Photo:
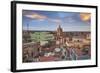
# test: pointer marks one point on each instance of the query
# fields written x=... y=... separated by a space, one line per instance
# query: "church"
x=60 y=37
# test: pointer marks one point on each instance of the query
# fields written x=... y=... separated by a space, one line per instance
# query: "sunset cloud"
x=40 y=17
x=36 y=16
x=85 y=16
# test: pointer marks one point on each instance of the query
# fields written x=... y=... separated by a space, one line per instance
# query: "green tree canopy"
x=41 y=36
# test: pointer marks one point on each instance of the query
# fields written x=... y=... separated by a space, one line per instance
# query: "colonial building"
x=60 y=36
x=26 y=36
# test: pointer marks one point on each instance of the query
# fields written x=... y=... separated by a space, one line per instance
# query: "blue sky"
x=50 y=20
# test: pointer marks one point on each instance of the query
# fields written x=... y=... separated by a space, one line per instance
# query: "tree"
x=41 y=36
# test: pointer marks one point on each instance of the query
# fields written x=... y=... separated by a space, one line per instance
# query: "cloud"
x=85 y=16
x=54 y=20
x=34 y=15
x=40 y=17
x=70 y=20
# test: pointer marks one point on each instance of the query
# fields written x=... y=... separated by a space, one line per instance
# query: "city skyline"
x=50 y=20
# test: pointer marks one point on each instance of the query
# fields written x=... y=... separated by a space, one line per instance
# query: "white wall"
x=5 y=37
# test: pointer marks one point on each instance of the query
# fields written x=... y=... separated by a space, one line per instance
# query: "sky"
x=50 y=20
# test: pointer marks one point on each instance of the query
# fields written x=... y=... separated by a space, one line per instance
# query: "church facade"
x=60 y=37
